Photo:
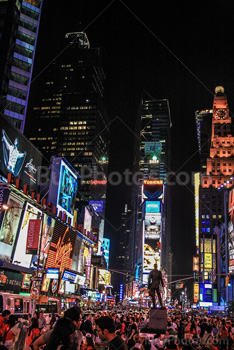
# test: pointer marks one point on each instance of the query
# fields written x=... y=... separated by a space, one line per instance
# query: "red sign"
x=98 y=182
x=153 y=182
x=34 y=228
x=61 y=247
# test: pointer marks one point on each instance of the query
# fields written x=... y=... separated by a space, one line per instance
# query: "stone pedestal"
x=158 y=319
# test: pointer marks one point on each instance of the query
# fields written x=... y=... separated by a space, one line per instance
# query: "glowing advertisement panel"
x=152 y=207
x=67 y=189
x=61 y=247
x=46 y=237
x=20 y=251
x=104 y=277
x=63 y=186
x=231 y=231
x=9 y=227
x=18 y=155
x=153 y=189
x=152 y=244
x=97 y=206
x=87 y=220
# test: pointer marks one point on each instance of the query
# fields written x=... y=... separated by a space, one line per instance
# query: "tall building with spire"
x=219 y=169
x=68 y=116
x=19 y=24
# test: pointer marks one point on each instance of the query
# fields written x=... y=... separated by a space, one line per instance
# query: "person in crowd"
x=8 y=335
x=41 y=321
x=20 y=332
x=33 y=332
x=52 y=320
x=223 y=336
x=62 y=336
x=207 y=339
x=74 y=314
x=132 y=331
x=36 y=315
x=230 y=336
x=88 y=343
x=3 y=319
x=105 y=328
x=88 y=326
x=171 y=343
x=118 y=325
x=157 y=342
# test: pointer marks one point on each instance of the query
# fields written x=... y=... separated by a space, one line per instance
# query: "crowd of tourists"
x=114 y=330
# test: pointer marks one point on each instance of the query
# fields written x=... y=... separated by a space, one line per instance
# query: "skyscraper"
x=149 y=222
x=219 y=170
x=69 y=119
x=19 y=24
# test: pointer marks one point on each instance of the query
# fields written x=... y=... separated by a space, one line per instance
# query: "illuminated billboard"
x=153 y=147
x=231 y=231
x=63 y=186
x=18 y=156
x=61 y=247
x=46 y=237
x=196 y=292
x=153 y=226
x=10 y=224
x=153 y=189
x=20 y=257
x=104 y=277
x=87 y=220
x=152 y=207
x=97 y=206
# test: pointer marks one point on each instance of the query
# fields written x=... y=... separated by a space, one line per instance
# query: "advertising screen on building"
x=87 y=220
x=10 y=224
x=97 y=206
x=153 y=147
x=152 y=207
x=231 y=231
x=46 y=237
x=153 y=189
x=20 y=256
x=18 y=156
x=153 y=226
x=61 y=247
x=45 y=284
x=104 y=277
x=63 y=186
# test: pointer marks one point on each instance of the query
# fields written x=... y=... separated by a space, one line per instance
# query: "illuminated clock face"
x=221 y=113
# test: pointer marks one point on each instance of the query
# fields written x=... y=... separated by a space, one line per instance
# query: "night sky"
x=175 y=50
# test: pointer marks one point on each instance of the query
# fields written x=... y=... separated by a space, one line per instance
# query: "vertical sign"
x=34 y=228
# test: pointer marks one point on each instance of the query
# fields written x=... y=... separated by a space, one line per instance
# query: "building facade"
x=69 y=120
x=19 y=24
x=209 y=201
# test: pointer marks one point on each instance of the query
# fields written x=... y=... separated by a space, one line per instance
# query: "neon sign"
x=98 y=182
x=153 y=182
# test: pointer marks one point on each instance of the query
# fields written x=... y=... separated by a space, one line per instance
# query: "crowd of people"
x=114 y=330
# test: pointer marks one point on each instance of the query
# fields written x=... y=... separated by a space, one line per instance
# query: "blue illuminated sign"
x=121 y=292
x=152 y=207
x=52 y=273
x=69 y=276
x=97 y=206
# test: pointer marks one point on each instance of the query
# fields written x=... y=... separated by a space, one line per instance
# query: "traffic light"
x=227 y=281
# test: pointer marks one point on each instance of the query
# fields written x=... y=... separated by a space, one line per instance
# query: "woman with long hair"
x=8 y=335
x=33 y=332
x=62 y=335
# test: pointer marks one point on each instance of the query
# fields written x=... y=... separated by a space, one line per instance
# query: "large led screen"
x=18 y=156
x=67 y=189
x=46 y=237
x=20 y=257
x=63 y=186
x=87 y=220
x=9 y=227
x=61 y=247
x=231 y=231
x=153 y=226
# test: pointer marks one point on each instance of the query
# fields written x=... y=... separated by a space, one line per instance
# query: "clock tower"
x=219 y=170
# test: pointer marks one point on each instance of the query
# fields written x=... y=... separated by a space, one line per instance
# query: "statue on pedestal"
x=154 y=282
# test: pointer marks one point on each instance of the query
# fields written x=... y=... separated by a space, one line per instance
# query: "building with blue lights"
x=19 y=24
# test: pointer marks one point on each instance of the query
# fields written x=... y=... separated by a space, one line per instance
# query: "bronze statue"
x=154 y=281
